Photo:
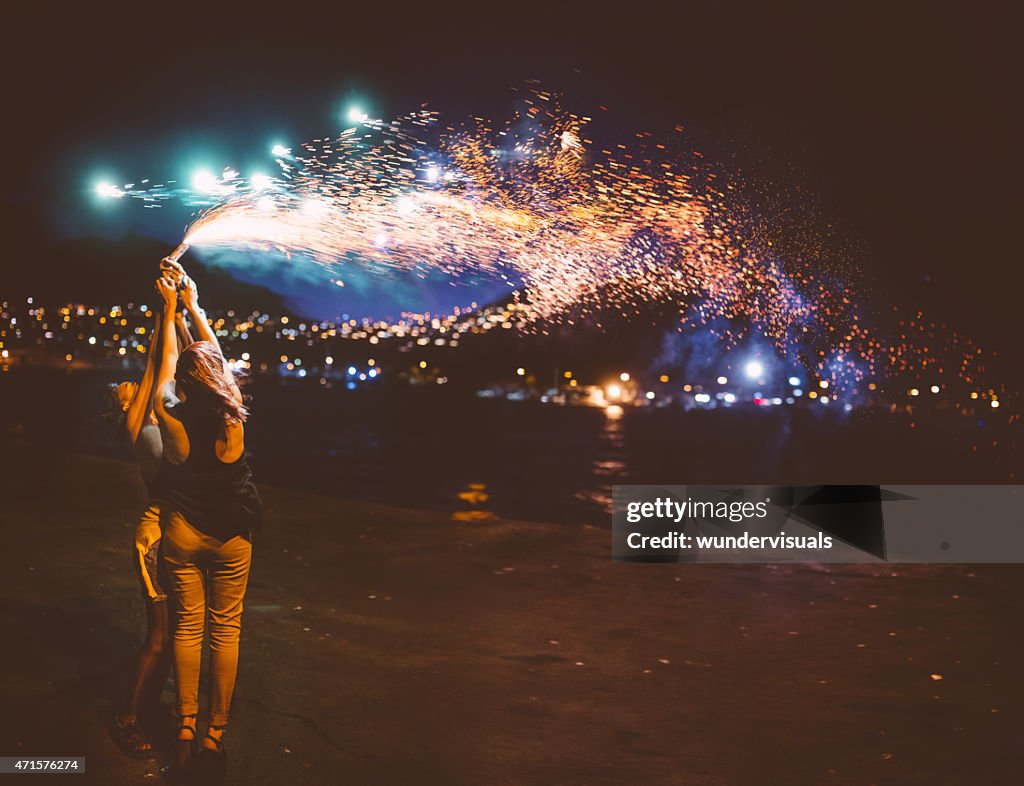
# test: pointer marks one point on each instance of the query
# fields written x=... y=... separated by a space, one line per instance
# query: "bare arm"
x=184 y=336
x=190 y=298
x=141 y=406
x=172 y=270
x=176 y=445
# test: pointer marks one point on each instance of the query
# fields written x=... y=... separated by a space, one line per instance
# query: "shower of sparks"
x=580 y=231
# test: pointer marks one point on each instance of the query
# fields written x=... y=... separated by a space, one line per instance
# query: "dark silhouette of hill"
x=100 y=271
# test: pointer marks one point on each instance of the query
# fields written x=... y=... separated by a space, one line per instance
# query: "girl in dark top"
x=214 y=508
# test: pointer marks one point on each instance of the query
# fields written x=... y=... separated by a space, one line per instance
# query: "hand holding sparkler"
x=173 y=269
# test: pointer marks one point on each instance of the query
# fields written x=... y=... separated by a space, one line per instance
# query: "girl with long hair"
x=214 y=509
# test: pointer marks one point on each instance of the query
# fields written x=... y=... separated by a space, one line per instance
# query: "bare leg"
x=149 y=672
x=151 y=661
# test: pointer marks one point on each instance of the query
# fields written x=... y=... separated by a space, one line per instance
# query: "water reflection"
x=474 y=495
x=608 y=466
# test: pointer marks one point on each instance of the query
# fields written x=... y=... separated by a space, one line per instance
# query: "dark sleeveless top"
x=218 y=499
x=160 y=486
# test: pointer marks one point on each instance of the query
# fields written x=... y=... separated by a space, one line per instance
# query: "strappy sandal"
x=131 y=740
x=181 y=767
x=218 y=742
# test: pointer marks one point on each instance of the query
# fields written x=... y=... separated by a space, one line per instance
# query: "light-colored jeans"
x=148 y=560
x=206 y=573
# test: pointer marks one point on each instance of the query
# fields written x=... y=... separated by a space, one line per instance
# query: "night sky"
x=901 y=123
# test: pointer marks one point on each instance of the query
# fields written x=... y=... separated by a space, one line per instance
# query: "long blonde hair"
x=202 y=377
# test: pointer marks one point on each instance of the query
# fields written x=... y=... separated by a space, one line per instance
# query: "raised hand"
x=167 y=290
x=189 y=293
x=173 y=269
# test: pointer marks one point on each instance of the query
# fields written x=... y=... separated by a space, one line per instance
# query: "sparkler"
x=175 y=255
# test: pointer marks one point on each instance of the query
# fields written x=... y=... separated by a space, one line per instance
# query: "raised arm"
x=190 y=298
x=171 y=428
x=141 y=405
x=184 y=336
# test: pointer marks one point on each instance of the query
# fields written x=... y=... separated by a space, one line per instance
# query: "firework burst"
x=579 y=230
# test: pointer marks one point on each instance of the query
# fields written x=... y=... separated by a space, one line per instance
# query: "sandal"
x=218 y=742
x=131 y=740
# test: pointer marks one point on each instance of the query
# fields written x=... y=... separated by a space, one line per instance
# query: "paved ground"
x=393 y=647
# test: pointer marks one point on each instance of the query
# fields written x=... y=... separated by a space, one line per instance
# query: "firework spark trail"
x=585 y=231
x=566 y=227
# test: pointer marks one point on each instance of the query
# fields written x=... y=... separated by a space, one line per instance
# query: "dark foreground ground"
x=385 y=646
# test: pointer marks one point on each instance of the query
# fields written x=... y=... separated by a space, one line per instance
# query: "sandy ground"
x=385 y=646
